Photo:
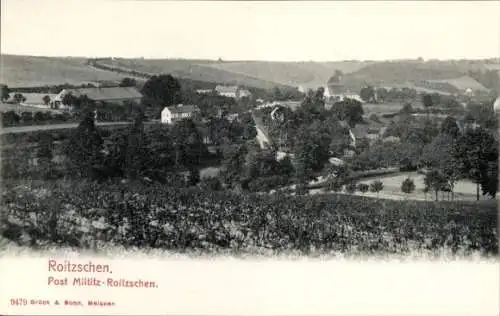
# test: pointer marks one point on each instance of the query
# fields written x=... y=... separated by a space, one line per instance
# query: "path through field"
x=50 y=127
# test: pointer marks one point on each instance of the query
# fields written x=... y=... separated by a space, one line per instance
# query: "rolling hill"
x=23 y=71
x=30 y=71
x=199 y=70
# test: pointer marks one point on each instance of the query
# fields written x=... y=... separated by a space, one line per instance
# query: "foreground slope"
x=79 y=214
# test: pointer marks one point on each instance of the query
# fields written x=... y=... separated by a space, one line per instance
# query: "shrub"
x=350 y=187
x=211 y=184
x=27 y=117
x=376 y=186
x=363 y=187
x=408 y=186
x=10 y=118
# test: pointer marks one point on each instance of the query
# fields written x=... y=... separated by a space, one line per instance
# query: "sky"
x=244 y=30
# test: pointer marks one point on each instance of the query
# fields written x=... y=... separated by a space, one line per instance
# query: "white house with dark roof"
x=172 y=114
x=496 y=106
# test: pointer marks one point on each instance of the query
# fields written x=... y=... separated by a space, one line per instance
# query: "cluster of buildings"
x=234 y=92
x=467 y=86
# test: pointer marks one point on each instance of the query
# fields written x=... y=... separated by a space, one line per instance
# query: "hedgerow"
x=88 y=215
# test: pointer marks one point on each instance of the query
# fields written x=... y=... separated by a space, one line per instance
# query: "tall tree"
x=427 y=101
x=45 y=155
x=349 y=110
x=84 y=148
x=18 y=98
x=46 y=99
x=367 y=94
x=450 y=127
x=376 y=186
x=303 y=160
x=162 y=90
x=408 y=186
x=439 y=155
x=477 y=151
x=436 y=181
x=5 y=93
x=136 y=150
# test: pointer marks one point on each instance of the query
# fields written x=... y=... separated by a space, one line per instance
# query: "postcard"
x=249 y=157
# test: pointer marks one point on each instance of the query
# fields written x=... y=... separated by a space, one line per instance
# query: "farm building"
x=234 y=92
x=172 y=114
x=204 y=91
x=292 y=105
x=103 y=83
x=464 y=85
x=116 y=95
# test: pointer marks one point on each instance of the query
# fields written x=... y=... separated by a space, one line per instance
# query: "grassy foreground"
x=86 y=215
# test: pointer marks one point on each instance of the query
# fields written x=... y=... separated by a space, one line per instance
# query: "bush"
x=363 y=187
x=27 y=117
x=408 y=186
x=350 y=187
x=40 y=117
x=211 y=184
x=10 y=118
x=376 y=186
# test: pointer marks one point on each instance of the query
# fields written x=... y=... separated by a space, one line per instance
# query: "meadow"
x=32 y=71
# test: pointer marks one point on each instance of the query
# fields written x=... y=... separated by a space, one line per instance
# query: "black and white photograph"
x=297 y=129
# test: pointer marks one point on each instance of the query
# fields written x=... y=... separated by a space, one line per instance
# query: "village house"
x=172 y=114
x=335 y=91
x=115 y=95
x=496 y=106
x=204 y=91
x=234 y=92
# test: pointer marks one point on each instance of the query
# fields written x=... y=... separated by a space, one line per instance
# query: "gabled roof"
x=463 y=83
x=182 y=108
x=106 y=94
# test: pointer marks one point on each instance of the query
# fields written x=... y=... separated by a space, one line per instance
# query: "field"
x=464 y=189
x=81 y=214
x=190 y=69
x=30 y=71
x=390 y=72
x=290 y=73
x=383 y=108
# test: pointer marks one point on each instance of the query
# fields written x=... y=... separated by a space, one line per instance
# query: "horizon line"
x=257 y=60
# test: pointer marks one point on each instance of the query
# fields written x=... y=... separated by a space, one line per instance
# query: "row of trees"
x=336 y=184
x=11 y=118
